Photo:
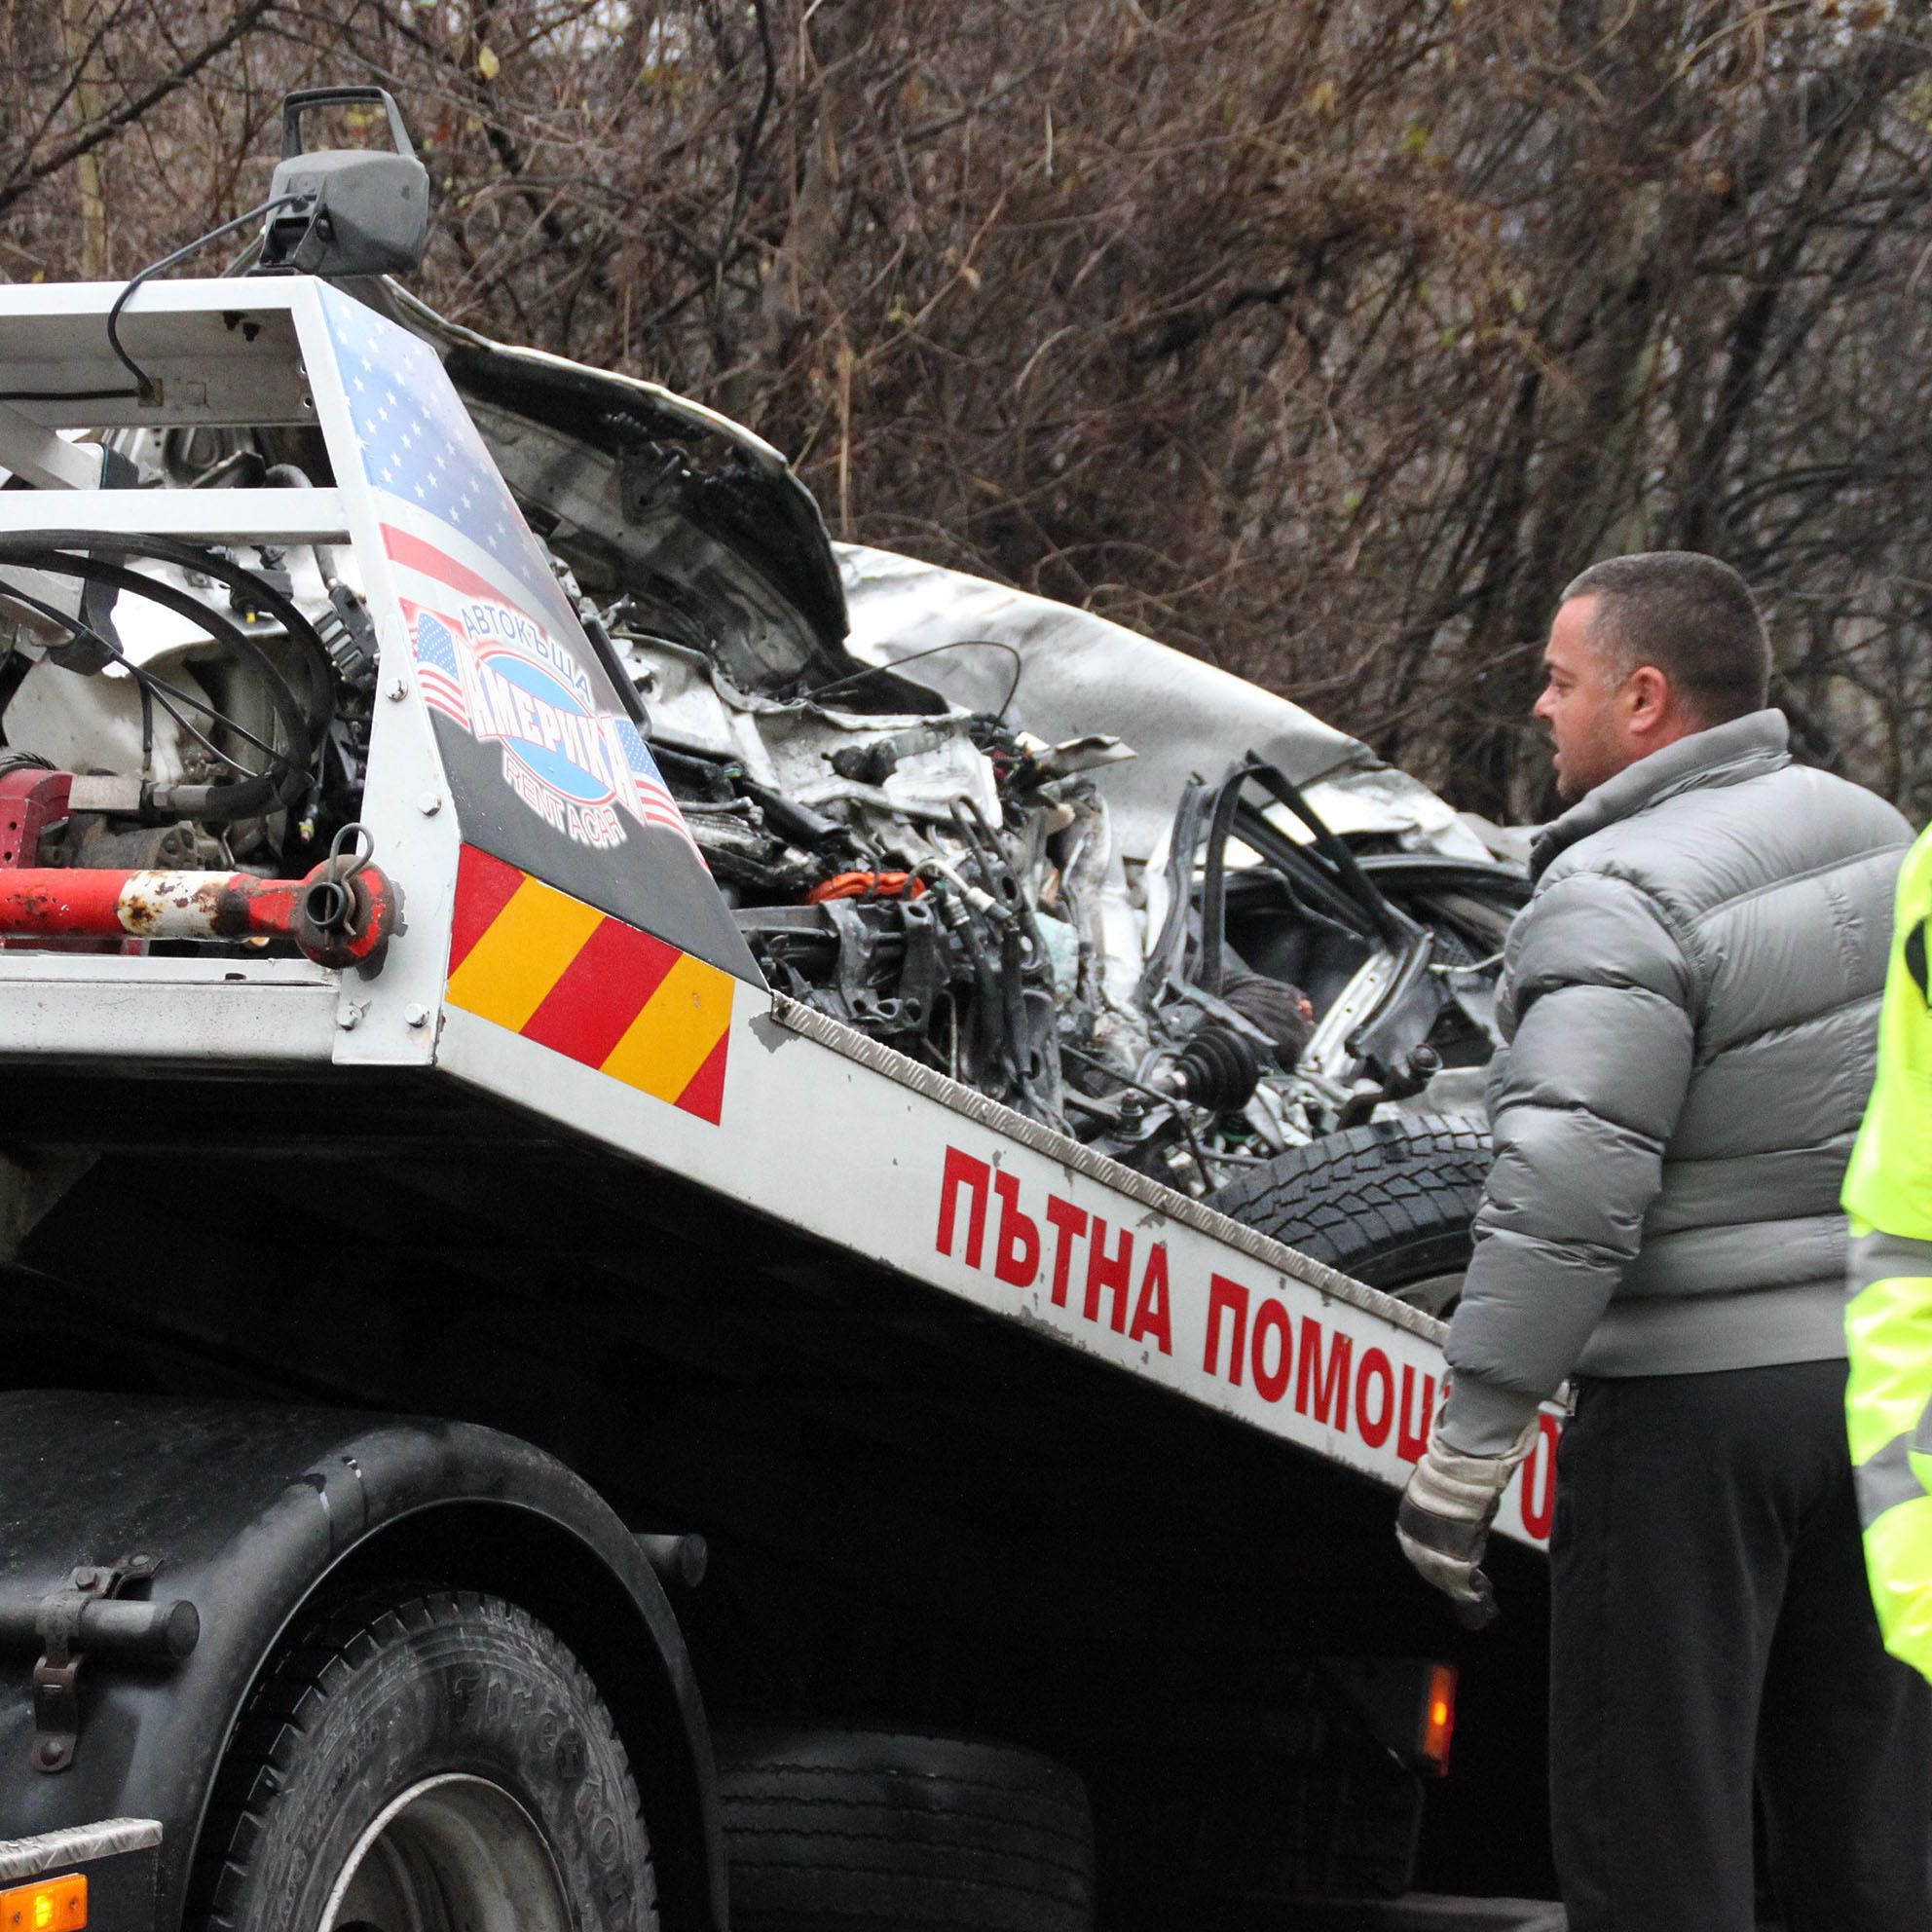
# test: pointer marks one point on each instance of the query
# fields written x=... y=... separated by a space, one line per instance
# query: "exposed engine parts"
x=1217 y=1070
x=948 y=883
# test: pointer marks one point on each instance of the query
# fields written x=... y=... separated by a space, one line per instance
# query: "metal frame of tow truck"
x=815 y=1126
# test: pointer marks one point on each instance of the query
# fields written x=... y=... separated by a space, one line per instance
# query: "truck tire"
x=434 y=1761
x=891 y=1832
x=1390 y=1203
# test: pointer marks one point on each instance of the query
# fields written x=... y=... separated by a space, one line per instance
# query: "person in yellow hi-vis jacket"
x=1889 y=1320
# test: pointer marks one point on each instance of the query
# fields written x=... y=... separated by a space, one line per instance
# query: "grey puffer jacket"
x=1689 y=1002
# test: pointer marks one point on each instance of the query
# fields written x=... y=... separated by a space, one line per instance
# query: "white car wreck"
x=1121 y=892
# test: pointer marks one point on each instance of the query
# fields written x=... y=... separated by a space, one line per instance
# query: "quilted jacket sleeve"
x=1582 y=1100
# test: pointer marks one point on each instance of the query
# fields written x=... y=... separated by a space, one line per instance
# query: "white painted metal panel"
x=218 y=516
x=140 y=1018
x=1182 y=1297
x=222 y=350
x=406 y=802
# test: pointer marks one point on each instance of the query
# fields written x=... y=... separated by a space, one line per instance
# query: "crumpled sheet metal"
x=1080 y=672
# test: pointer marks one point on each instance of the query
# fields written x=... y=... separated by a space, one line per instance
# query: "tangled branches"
x=1326 y=340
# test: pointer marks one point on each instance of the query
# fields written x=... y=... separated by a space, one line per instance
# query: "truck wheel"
x=828 y=1831
x=1389 y=1204
x=434 y=1762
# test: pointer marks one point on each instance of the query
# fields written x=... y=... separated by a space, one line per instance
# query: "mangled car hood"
x=655 y=498
x=1080 y=674
x=646 y=490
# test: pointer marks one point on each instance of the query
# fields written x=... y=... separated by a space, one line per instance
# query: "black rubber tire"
x=834 y=1831
x=1390 y=1203
x=396 y=1689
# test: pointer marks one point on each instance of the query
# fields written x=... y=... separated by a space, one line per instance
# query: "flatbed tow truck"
x=1046 y=1508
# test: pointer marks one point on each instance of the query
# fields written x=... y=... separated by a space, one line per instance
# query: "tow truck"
x=458 y=1306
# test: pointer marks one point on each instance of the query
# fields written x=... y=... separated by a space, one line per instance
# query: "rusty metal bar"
x=334 y=921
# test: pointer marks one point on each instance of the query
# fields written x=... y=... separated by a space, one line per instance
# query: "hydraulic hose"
x=1215 y=881
x=191 y=557
x=1395 y=928
x=54 y=553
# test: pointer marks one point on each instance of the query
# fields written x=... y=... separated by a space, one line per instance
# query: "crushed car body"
x=1106 y=884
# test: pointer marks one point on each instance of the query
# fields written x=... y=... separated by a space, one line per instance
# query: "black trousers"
x=1711 y=1629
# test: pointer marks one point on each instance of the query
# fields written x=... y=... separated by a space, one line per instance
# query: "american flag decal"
x=497 y=673
x=438 y=669
x=539 y=739
x=654 y=805
x=497 y=649
x=418 y=444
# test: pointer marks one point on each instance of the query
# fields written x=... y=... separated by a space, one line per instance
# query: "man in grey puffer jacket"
x=1690 y=1001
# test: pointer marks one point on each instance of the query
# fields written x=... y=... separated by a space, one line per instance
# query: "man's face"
x=1585 y=705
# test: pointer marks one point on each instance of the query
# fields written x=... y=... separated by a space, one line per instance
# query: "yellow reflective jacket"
x=1889 y=1320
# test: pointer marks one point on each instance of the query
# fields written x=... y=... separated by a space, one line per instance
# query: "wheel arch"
x=261 y=1516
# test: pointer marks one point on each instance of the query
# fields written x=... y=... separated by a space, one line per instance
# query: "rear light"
x=1407 y=1704
x=47 y=1905
x=1438 y=1719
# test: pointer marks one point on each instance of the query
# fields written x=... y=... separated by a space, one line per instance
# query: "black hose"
x=1395 y=929
x=1012 y=1012
x=1352 y=902
x=13 y=668
x=1182 y=840
x=152 y=687
x=993 y=864
x=1021 y=925
x=251 y=794
x=190 y=557
x=146 y=390
x=988 y=1011
x=1301 y=873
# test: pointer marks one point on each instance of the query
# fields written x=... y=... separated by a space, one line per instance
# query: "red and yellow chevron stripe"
x=582 y=983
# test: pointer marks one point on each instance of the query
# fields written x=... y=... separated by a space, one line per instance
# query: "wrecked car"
x=1109 y=887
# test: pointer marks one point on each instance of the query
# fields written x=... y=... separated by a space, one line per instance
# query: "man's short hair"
x=1690 y=616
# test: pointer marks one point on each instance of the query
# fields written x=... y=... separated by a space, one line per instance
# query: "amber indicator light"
x=1438 y=1721
x=47 y=1905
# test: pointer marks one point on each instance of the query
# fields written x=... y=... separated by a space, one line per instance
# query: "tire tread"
x=290 y=1698
x=1352 y=1195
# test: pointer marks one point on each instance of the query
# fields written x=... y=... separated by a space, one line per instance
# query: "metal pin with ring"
x=331 y=899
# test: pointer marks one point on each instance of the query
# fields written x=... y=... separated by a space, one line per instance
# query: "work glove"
x=1444 y=1522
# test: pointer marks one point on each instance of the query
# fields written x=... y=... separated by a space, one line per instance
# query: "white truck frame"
x=693 y=1067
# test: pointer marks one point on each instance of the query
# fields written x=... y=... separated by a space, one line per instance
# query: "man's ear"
x=1648 y=699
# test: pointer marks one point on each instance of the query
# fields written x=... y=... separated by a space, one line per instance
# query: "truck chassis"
x=989 y=1433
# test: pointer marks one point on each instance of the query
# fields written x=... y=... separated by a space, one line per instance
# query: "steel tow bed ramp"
x=992 y=1209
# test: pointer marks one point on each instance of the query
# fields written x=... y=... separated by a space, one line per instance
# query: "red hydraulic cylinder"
x=337 y=920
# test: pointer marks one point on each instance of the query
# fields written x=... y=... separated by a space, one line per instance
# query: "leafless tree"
x=1324 y=339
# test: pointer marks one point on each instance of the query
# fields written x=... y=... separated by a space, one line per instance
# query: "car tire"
x=435 y=1760
x=1390 y=1203
x=832 y=1831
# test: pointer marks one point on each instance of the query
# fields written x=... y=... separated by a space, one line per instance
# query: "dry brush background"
x=1325 y=340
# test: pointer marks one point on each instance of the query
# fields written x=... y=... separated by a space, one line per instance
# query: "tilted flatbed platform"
x=555 y=1004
